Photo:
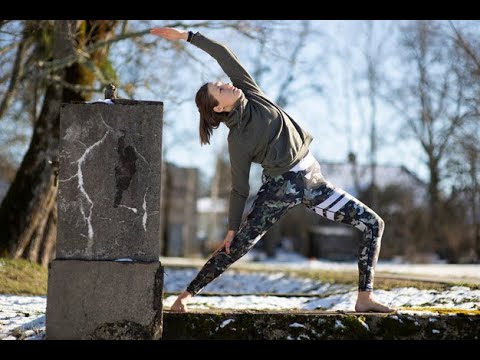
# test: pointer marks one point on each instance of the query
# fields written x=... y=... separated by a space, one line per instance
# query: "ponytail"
x=209 y=119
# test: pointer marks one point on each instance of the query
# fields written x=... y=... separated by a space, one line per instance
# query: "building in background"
x=212 y=222
x=178 y=204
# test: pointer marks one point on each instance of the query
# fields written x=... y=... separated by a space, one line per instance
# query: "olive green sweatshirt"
x=260 y=131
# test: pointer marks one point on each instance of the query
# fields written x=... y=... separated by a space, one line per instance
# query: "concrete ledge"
x=320 y=325
x=104 y=300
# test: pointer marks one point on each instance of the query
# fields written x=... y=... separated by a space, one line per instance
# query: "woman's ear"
x=218 y=109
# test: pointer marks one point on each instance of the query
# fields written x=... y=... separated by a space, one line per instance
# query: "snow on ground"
x=297 y=261
x=332 y=296
x=287 y=260
x=23 y=317
x=25 y=313
x=232 y=282
x=457 y=297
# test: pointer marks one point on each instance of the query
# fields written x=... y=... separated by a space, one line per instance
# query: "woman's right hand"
x=170 y=33
x=226 y=243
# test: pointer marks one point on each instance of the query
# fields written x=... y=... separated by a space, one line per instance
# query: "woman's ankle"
x=364 y=295
x=185 y=295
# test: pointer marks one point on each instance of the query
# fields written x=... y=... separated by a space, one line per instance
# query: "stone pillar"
x=106 y=281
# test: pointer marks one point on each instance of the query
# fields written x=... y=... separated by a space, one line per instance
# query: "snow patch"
x=339 y=324
x=226 y=322
x=297 y=325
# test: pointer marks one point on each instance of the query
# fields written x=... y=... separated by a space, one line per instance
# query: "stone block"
x=104 y=300
x=109 y=181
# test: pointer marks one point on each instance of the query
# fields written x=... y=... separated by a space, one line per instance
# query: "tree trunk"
x=27 y=202
x=47 y=248
x=436 y=215
x=40 y=227
x=28 y=215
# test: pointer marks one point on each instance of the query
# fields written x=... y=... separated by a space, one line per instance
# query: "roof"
x=341 y=174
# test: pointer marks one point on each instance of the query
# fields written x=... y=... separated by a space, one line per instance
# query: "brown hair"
x=209 y=119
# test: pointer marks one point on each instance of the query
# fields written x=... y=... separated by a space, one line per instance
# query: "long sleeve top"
x=259 y=130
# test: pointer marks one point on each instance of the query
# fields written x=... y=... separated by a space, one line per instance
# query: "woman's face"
x=226 y=95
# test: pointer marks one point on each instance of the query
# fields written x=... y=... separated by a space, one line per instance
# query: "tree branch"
x=17 y=71
x=465 y=46
x=74 y=87
x=8 y=47
x=294 y=55
x=84 y=54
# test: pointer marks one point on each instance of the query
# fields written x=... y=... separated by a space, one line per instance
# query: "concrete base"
x=320 y=325
x=104 y=300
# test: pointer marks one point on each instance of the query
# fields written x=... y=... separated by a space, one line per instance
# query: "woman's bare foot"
x=366 y=303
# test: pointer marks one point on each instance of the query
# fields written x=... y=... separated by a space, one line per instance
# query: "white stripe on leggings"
x=331 y=199
x=341 y=203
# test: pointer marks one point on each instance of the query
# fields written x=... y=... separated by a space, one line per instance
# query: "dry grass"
x=22 y=277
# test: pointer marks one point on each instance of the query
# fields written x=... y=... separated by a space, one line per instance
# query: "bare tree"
x=374 y=56
x=347 y=84
x=284 y=93
x=28 y=212
x=430 y=99
x=362 y=77
x=465 y=162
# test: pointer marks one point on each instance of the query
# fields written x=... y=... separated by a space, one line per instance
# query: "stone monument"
x=106 y=281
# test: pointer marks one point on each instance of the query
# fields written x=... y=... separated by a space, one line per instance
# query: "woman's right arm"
x=224 y=56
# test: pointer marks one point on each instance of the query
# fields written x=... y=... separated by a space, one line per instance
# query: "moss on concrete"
x=442 y=311
x=121 y=330
x=263 y=325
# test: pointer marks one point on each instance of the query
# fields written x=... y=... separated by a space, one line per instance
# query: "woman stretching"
x=262 y=132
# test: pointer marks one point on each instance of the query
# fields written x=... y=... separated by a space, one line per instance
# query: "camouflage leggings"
x=280 y=193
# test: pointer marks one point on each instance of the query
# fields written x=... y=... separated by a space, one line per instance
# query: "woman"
x=262 y=132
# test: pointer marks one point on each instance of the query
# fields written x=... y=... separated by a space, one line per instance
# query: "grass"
x=22 y=277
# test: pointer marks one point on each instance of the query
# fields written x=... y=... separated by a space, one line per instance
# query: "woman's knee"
x=380 y=224
x=375 y=225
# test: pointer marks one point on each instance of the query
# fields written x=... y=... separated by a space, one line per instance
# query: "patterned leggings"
x=280 y=193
